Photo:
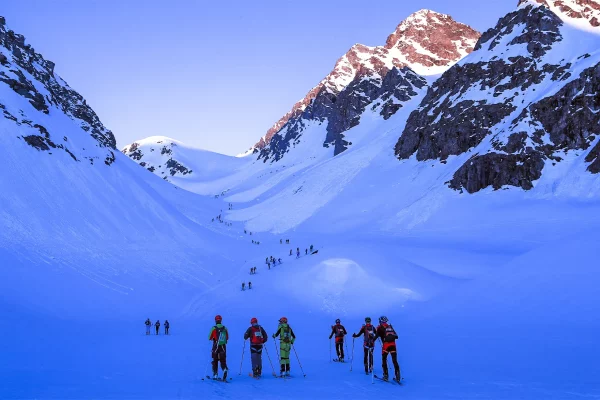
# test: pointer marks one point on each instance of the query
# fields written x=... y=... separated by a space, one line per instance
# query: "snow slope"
x=492 y=294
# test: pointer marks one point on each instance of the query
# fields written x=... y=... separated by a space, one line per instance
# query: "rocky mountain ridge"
x=28 y=75
x=427 y=42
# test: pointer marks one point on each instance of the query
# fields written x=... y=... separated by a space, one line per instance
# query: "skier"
x=148 y=324
x=219 y=336
x=298 y=253
x=339 y=331
x=305 y=252
x=267 y=260
x=311 y=248
x=280 y=241
x=290 y=252
x=286 y=340
x=167 y=325
x=388 y=337
x=369 y=334
x=269 y=265
x=243 y=285
x=249 y=285
x=157 y=326
x=251 y=271
x=280 y=261
x=258 y=337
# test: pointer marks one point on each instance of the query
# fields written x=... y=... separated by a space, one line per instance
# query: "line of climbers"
x=384 y=332
x=148 y=324
x=258 y=337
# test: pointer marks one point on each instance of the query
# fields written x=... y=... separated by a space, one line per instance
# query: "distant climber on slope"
x=167 y=326
x=369 y=334
x=157 y=326
x=148 y=324
x=339 y=331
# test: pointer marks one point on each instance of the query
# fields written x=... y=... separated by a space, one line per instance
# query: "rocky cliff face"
x=488 y=105
x=29 y=75
x=425 y=43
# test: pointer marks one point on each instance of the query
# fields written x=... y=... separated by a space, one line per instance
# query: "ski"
x=217 y=379
x=340 y=361
x=251 y=375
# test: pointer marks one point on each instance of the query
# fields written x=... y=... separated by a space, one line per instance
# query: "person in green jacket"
x=219 y=336
x=286 y=340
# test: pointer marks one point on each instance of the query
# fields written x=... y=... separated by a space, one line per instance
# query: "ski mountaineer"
x=388 y=337
x=249 y=285
x=258 y=337
x=286 y=340
x=290 y=252
x=297 y=253
x=167 y=325
x=148 y=324
x=369 y=335
x=157 y=326
x=219 y=336
x=339 y=331
x=243 y=285
x=311 y=248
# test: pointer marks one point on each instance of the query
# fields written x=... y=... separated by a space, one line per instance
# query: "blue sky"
x=215 y=75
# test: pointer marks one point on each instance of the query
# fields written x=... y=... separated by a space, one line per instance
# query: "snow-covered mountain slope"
x=177 y=163
x=426 y=43
x=79 y=214
x=492 y=295
x=520 y=104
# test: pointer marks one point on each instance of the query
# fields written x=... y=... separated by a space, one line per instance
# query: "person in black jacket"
x=167 y=325
x=388 y=337
x=148 y=324
x=369 y=334
x=339 y=331
x=258 y=337
x=157 y=326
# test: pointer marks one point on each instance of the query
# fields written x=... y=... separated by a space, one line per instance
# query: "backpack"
x=221 y=335
x=257 y=337
x=339 y=330
x=390 y=334
x=286 y=334
x=369 y=335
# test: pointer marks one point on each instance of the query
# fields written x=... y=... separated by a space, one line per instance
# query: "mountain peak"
x=583 y=13
x=427 y=42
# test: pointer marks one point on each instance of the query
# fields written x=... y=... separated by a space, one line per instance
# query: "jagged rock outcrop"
x=427 y=42
x=157 y=155
x=26 y=72
x=479 y=106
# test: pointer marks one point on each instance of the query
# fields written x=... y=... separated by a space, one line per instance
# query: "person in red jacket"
x=369 y=334
x=258 y=338
x=388 y=337
x=219 y=336
x=339 y=331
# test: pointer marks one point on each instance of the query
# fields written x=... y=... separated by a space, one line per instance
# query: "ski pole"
x=346 y=346
x=297 y=358
x=371 y=356
x=277 y=350
x=329 y=349
x=207 y=364
x=242 y=362
x=352 y=359
x=270 y=362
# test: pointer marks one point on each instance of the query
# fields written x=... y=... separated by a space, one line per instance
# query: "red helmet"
x=254 y=321
x=218 y=318
x=283 y=320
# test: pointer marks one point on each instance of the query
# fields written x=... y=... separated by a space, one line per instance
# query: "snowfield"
x=494 y=295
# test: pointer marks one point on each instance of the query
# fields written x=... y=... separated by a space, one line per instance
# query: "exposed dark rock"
x=37 y=141
x=594 y=159
x=498 y=170
x=175 y=167
x=60 y=95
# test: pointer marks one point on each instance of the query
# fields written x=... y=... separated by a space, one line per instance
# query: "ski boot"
x=385 y=376
x=287 y=373
x=225 y=375
x=397 y=377
x=215 y=376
